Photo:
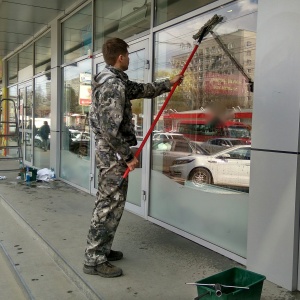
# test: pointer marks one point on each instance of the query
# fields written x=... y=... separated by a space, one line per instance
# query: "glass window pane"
x=13 y=70
x=43 y=54
x=170 y=9
x=25 y=64
x=77 y=34
x=13 y=93
x=212 y=112
x=27 y=122
x=75 y=133
x=42 y=112
x=136 y=72
x=120 y=19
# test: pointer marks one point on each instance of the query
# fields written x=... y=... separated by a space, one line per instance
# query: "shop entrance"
x=138 y=71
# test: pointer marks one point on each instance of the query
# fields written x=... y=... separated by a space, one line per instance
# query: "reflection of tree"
x=192 y=95
x=72 y=97
x=177 y=102
x=75 y=107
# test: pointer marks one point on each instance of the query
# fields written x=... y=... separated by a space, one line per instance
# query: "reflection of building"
x=212 y=74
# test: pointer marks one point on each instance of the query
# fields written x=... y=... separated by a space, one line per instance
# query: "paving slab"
x=41 y=275
x=9 y=284
x=157 y=263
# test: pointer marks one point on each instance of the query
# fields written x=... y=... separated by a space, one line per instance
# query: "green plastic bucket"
x=232 y=277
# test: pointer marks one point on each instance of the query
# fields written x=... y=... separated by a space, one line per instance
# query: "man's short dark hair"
x=112 y=48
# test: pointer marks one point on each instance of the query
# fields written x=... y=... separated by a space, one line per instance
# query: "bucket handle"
x=200 y=296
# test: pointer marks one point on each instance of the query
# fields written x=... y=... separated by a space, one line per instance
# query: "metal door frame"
x=21 y=115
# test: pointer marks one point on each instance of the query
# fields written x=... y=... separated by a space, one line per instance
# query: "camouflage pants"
x=108 y=210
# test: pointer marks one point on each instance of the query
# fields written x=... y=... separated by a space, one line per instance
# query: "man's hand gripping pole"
x=204 y=30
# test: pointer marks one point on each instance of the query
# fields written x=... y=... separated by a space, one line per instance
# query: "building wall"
x=273 y=226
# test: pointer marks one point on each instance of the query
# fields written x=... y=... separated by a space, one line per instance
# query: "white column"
x=273 y=227
x=56 y=92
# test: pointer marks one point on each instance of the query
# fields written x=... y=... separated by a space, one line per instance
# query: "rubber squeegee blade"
x=208 y=26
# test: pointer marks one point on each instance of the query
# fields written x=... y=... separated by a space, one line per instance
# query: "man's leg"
x=109 y=207
x=45 y=144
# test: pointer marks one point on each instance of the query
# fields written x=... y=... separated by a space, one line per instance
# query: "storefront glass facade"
x=210 y=204
x=202 y=150
x=32 y=98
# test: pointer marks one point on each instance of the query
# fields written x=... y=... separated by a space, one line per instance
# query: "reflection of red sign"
x=223 y=84
x=85 y=90
x=85 y=95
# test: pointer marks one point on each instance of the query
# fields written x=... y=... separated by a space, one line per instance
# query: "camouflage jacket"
x=111 y=113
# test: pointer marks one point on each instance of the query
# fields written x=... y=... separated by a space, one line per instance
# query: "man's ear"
x=120 y=57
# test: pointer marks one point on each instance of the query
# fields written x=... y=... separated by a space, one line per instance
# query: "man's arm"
x=150 y=90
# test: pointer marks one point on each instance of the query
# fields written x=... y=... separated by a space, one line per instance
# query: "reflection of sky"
x=41 y=85
x=136 y=68
x=175 y=40
x=73 y=71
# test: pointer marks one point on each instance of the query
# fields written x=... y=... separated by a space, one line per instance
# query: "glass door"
x=137 y=71
x=26 y=121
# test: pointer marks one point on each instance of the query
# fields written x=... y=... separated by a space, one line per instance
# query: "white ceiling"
x=22 y=19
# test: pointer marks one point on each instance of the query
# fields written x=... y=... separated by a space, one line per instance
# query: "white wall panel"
x=272 y=234
x=277 y=74
x=273 y=222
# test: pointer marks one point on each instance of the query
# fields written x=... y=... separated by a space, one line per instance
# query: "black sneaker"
x=104 y=270
x=114 y=255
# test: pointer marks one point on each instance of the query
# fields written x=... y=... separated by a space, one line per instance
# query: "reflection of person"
x=66 y=136
x=44 y=131
x=111 y=121
x=219 y=114
x=29 y=126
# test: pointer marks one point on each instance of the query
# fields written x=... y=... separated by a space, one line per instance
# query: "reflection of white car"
x=229 y=167
x=80 y=136
x=168 y=135
x=38 y=141
x=165 y=151
x=219 y=144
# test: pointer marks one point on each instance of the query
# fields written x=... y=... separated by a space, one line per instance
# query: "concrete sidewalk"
x=157 y=263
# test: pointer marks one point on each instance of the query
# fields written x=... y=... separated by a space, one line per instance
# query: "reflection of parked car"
x=219 y=144
x=80 y=136
x=38 y=141
x=79 y=142
x=166 y=150
x=229 y=167
x=169 y=136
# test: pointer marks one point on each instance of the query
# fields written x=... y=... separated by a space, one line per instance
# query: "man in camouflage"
x=111 y=122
